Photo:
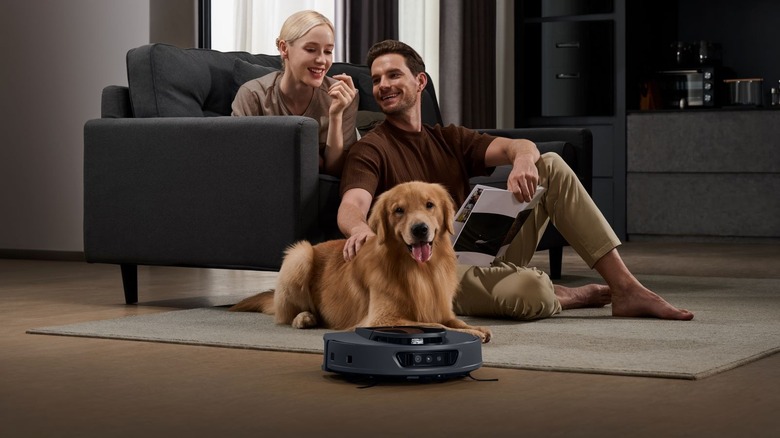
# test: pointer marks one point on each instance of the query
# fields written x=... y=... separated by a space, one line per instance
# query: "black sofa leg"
x=130 y=283
x=556 y=261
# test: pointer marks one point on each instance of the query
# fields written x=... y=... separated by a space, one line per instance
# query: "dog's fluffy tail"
x=262 y=302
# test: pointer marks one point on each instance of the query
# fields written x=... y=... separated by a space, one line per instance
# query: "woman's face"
x=309 y=57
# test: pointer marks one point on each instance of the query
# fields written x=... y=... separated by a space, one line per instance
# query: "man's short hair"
x=413 y=59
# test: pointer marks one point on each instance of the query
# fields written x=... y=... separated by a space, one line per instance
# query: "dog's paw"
x=485 y=334
x=304 y=320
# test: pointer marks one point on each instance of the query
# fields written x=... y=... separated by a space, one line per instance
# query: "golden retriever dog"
x=405 y=275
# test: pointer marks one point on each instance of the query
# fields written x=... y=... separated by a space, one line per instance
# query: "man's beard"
x=402 y=106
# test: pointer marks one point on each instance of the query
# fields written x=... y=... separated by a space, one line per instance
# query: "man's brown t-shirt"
x=388 y=156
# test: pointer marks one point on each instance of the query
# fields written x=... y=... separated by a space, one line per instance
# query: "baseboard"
x=33 y=254
x=701 y=239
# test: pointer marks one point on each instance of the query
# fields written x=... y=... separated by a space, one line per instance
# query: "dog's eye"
x=399 y=210
x=429 y=205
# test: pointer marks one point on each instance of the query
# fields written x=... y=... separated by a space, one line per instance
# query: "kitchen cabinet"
x=704 y=175
x=570 y=55
x=582 y=63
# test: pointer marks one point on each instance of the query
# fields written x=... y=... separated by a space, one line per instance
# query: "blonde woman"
x=306 y=44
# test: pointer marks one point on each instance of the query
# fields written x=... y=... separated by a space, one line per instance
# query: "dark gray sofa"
x=171 y=179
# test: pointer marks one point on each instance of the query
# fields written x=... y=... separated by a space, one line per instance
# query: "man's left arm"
x=522 y=155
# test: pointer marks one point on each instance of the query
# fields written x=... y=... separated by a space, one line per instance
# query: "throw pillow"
x=367 y=120
x=244 y=72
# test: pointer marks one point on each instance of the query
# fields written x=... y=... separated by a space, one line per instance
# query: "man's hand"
x=353 y=212
x=522 y=155
x=523 y=179
x=355 y=242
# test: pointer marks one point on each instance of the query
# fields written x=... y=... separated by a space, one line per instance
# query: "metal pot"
x=745 y=91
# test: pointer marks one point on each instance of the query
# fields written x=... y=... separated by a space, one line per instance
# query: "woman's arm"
x=342 y=93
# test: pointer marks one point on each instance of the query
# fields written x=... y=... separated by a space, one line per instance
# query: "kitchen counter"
x=703 y=174
x=707 y=110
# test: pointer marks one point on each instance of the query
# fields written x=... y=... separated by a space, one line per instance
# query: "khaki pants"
x=508 y=288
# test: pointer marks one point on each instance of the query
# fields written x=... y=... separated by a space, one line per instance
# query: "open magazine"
x=487 y=223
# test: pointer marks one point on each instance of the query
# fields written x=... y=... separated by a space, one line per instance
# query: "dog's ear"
x=448 y=209
x=377 y=221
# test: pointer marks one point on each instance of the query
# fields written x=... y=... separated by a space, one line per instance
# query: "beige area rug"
x=737 y=321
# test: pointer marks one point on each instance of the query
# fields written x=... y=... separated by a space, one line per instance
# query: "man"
x=403 y=149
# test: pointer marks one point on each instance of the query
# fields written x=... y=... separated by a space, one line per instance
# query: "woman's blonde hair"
x=299 y=24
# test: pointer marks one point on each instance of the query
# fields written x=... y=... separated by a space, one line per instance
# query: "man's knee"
x=527 y=293
x=556 y=163
x=506 y=290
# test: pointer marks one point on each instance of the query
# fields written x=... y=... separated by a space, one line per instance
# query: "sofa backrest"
x=166 y=81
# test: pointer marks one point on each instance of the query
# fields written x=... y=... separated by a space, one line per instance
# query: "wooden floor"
x=78 y=387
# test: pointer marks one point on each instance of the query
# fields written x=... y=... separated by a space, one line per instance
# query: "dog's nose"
x=420 y=230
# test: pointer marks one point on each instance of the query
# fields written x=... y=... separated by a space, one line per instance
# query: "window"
x=253 y=25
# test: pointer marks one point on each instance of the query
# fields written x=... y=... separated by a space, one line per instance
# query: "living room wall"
x=57 y=57
x=62 y=54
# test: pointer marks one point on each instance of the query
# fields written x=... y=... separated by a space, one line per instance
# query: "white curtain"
x=253 y=25
x=418 y=26
x=257 y=22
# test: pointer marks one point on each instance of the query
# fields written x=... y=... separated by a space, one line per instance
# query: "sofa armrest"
x=115 y=102
x=228 y=192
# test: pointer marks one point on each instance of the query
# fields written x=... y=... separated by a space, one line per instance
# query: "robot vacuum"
x=409 y=352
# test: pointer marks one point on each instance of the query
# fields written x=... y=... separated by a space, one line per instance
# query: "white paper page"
x=496 y=211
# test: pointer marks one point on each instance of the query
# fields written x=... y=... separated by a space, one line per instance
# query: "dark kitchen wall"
x=748 y=30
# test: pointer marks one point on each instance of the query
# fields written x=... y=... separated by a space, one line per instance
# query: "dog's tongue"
x=421 y=252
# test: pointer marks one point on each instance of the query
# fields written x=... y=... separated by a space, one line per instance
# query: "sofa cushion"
x=166 y=81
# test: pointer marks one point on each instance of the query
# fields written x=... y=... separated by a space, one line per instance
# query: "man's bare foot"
x=642 y=302
x=590 y=295
x=629 y=297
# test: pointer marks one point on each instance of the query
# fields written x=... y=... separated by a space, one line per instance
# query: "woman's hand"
x=342 y=93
